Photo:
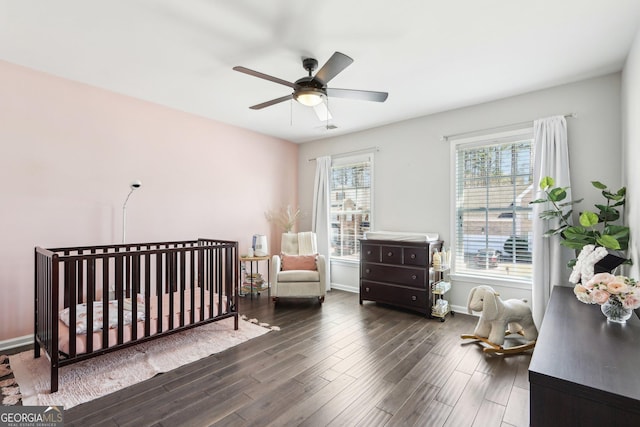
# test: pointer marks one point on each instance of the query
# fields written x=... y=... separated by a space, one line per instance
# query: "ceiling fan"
x=311 y=90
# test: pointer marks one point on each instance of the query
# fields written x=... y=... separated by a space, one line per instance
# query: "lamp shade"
x=309 y=97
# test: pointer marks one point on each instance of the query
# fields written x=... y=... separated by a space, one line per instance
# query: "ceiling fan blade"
x=335 y=64
x=362 y=95
x=265 y=76
x=322 y=111
x=272 y=102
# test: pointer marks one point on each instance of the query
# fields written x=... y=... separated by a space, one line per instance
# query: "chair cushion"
x=298 y=276
x=298 y=262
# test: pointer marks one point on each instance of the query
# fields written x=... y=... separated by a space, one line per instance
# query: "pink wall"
x=69 y=152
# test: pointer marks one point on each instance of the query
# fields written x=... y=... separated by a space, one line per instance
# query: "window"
x=351 y=194
x=493 y=226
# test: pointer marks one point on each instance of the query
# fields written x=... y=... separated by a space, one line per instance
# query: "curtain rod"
x=348 y=153
x=446 y=138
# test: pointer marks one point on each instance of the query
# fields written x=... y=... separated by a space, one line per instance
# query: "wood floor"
x=339 y=364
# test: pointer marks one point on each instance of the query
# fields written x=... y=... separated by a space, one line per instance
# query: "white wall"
x=412 y=172
x=631 y=148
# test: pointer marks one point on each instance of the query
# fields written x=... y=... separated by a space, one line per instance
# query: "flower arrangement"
x=286 y=218
x=602 y=287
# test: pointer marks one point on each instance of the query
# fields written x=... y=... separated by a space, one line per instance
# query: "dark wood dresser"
x=397 y=273
x=584 y=371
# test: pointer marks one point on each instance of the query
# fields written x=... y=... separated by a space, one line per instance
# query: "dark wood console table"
x=584 y=371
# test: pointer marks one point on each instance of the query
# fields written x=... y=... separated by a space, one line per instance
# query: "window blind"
x=351 y=184
x=493 y=226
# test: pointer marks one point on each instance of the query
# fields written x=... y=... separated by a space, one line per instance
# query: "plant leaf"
x=557 y=194
x=588 y=219
x=573 y=245
x=620 y=233
x=553 y=232
x=547 y=182
x=608 y=214
x=550 y=214
x=538 y=201
x=608 y=242
x=611 y=196
x=616 y=231
x=598 y=185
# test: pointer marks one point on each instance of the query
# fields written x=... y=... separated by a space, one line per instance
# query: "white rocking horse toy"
x=499 y=318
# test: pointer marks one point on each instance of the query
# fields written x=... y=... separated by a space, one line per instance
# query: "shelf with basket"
x=441 y=285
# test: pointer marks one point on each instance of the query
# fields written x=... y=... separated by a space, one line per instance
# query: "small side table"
x=251 y=260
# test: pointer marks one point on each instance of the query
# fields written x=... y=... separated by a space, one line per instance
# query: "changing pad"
x=401 y=236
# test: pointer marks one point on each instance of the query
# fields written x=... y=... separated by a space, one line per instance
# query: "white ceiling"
x=430 y=55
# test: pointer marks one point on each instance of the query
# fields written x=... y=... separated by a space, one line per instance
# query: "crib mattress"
x=96 y=336
x=401 y=236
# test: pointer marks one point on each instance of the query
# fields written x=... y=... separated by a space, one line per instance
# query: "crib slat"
x=70 y=289
x=147 y=295
x=192 y=285
x=133 y=295
x=119 y=292
x=105 y=302
x=170 y=286
x=159 y=291
x=52 y=338
x=91 y=285
x=210 y=280
x=181 y=261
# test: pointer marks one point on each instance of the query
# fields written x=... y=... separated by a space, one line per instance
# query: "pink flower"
x=600 y=296
x=603 y=278
x=632 y=300
x=582 y=294
x=618 y=286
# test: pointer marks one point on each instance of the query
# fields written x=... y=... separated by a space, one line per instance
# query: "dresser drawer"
x=392 y=255
x=370 y=253
x=414 y=277
x=415 y=256
x=395 y=295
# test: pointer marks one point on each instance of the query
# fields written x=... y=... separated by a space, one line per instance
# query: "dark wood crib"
x=162 y=288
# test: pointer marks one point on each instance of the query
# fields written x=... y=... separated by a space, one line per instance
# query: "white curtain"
x=551 y=158
x=321 y=203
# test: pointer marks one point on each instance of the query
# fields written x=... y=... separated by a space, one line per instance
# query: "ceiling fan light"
x=308 y=97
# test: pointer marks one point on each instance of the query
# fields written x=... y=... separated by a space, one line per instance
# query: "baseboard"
x=345 y=288
x=16 y=342
x=460 y=309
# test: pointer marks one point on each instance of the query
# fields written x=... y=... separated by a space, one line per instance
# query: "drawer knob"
x=414 y=277
x=390 y=254
x=368 y=252
x=367 y=270
x=413 y=256
x=414 y=298
x=366 y=289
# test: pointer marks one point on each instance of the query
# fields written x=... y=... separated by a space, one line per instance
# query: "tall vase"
x=615 y=311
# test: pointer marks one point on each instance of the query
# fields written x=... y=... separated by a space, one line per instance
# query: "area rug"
x=9 y=390
x=97 y=377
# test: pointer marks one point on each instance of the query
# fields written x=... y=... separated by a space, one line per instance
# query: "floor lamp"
x=134 y=186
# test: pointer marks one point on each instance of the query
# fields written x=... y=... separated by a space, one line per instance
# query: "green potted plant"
x=595 y=228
